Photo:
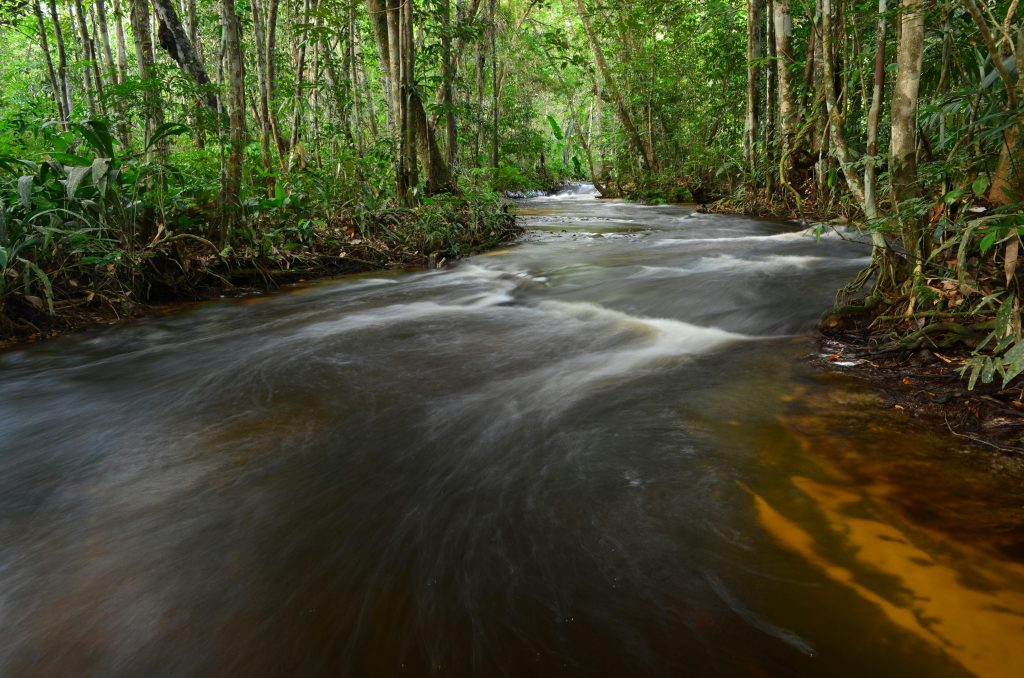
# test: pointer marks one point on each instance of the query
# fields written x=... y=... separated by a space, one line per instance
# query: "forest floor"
x=172 y=277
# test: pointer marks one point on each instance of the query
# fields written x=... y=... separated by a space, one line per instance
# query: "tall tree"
x=612 y=88
x=231 y=183
x=750 y=137
x=55 y=87
x=93 y=84
x=154 y=113
x=62 y=59
x=782 y=21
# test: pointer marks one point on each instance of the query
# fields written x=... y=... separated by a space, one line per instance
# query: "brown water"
x=599 y=452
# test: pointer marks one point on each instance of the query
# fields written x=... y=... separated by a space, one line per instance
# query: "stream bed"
x=599 y=451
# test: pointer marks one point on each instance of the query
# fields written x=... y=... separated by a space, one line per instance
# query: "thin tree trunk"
x=264 y=102
x=494 y=85
x=447 y=97
x=122 y=50
x=231 y=185
x=300 y=71
x=613 y=90
x=353 y=71
x=104 y=33
x=771 y=109
x=783 y=24
x=364 y=83
x=55 y=87
x=753 y=83
x=481 y=59
x=144 y=60
x=87 y=73
x=62 y=60
x=271 y=77
x=874 y=116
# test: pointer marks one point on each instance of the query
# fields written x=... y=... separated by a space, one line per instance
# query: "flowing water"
x=600 y=451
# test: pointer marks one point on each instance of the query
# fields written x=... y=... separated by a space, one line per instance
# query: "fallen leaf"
x=1010 y=260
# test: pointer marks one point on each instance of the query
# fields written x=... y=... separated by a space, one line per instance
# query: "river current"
x=600 y=451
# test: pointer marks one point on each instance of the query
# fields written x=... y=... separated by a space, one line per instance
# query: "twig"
x=975 y=439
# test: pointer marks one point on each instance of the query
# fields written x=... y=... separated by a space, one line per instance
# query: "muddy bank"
x=926 y=384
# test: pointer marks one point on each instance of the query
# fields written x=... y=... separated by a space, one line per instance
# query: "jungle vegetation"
x=149 y=148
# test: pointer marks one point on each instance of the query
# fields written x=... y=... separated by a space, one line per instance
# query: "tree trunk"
x=231 y=184
x=609 y=83
x=447 y=97
x=838 y=135
x=494 y=85
x=300 y=70
x=104 y=32
x=353 y=75
x=903 y=164
x=87 y=54
x=874 y=116
x=176 y=42
x=55 y=87
x=364 y=85
x=481 y=60
x=903 y=170
x=264 y=102
x=122 y=50
x=144 y=59
x=783 y=24
x=271 y=77
x=753 y=83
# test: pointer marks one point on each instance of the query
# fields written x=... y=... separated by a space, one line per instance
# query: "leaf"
x=555 y=128
x=165 y=131
x=980 y=185
x=952 y=196
x=75 y=176
x=100 y=167
x=25 y=190
x=1010 y=259
x=97 y=134
x=988 y=241
x=1003 y=317
x=43 y=278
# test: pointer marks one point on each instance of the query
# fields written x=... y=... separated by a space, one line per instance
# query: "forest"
x=511 y=338
x=154 y=150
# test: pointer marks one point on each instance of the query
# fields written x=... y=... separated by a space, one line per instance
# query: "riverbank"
x=176 y=269
x=928 y=381
x=927 y=384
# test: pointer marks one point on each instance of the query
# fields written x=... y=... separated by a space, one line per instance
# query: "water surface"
x=600 y=451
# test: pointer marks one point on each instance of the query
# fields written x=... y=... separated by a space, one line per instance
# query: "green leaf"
x=555 y=128
x=97 y=134
x=100 y=167
x=25 y=190
x=980 y=185
x=952 y=196
x=75 y=176
x=43 y=278
x=988 y=241
x=165 y=131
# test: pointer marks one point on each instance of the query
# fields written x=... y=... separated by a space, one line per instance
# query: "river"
x=599 y=451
